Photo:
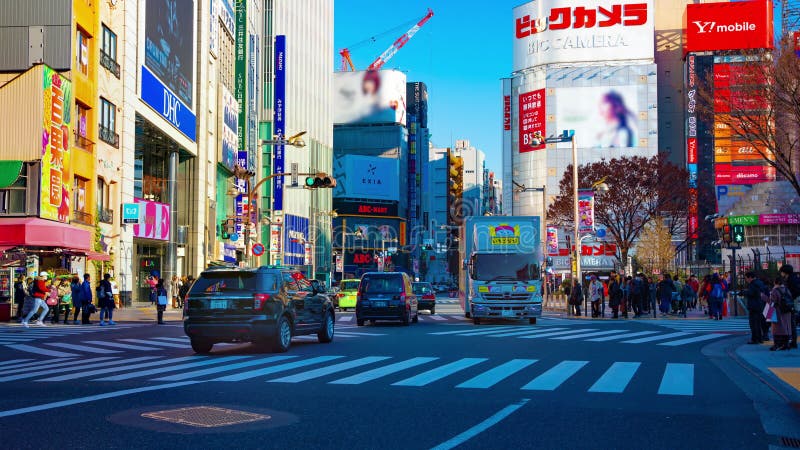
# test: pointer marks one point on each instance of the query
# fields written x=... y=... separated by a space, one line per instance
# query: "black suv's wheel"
x=325 y=333
x=201 y=346
x=467 y=315
x=406 y=319
x=360 y=322
x=433 y=311
x=532 y=320
x=476 y=321
x=283 y=340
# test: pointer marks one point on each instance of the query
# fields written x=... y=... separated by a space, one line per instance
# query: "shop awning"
x=36 y=232
x=9 y=172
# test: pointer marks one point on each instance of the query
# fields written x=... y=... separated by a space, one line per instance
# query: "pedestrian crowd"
x=47 y=297
x=772 y=307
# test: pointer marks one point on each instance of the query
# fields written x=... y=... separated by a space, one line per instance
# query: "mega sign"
x=547 y=32
x=729 y=26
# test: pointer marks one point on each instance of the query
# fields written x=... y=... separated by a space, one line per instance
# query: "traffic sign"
x=258 y=249
x=738 y=233
x=235 y=237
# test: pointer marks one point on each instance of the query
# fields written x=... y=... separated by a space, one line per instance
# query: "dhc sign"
x=161 y=99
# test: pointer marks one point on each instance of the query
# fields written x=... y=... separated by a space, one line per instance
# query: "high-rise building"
x=473 y=177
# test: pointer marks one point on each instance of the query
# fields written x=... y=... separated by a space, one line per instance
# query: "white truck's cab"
x=500 y=275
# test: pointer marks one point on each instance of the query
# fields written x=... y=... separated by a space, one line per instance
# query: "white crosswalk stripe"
x=557 y=333
x=731 y=325
x=660 y=337
x=480 y=374
x=526 y=332
x=585 y=335
x=120 y=345
x=82 y=348
x=41 y=351
x=694 y=339
x=157 y=343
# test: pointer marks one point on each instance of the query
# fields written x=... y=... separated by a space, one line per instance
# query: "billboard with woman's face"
x=371 y=96
x=169 y=45
x=601 y=116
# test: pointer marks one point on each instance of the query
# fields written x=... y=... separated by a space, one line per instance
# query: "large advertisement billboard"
x=558 y=31
x=230 y=137
x=369 y=97
x=367 y=177
x=729 y=26
x=295 y=237
x=531 y=120
x=169 y=45
x=601 y=116
x=56 y=136
x=279 y=120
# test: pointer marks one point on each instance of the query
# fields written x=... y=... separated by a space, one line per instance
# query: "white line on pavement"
x=321 y=372
x=374 y=374
x=74 y=368
x=678 y=379
x=439 y=372
x=142 y=373
x=157 y=343
x=554 y=377
x=435 y=317
x=622 y=336
x=83 y=348
x=75 y=401
x=347 y=318
x=656 y=338
x=225 y=368
x=558 y=333
x=498 y=374
x=13 y=361
x=481 y=427
x=584 y=335
x=706 y=337
x=90 y=373
x=41 y=351
x=118 y=345
x=528 y=331
x=275 y=369
x=616 y=378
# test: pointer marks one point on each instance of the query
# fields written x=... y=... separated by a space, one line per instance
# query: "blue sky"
x=461 y=54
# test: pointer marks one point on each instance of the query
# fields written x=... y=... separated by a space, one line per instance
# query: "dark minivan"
x=265 y=306
x=386 y=296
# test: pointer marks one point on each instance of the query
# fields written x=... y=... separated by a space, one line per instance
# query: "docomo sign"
x=729 y=26
x=548 y=31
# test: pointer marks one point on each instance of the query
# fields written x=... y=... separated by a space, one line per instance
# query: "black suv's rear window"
x=225 y=282
x=383 y=284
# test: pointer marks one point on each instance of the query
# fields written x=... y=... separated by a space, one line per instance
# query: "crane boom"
x=399 y=43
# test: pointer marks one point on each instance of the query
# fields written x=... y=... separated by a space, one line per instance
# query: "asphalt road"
x=442 y=382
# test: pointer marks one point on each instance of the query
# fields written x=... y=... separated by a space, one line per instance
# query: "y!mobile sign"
x=559 y=31
x=729 y=26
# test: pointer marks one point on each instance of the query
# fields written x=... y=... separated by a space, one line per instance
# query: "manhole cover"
x=205 y=416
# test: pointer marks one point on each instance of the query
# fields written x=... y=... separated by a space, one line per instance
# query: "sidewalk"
x=777 y=365
x=144 y=312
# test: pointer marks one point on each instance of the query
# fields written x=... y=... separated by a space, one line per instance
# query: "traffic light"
x=726 y=234
x=738 y=234
x=320 y=180
x=227 y=228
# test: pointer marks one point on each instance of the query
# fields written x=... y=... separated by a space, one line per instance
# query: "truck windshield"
x=497 y=267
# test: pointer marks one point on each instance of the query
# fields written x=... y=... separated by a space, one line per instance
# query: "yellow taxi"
x=348 y=290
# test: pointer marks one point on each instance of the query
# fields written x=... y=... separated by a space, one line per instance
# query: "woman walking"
x=715 y=292
x=664 y=292
x=105 y=300
x=161 y=300
x=781 y=300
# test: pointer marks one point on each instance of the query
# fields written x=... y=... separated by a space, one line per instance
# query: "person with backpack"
x=637 y=295
x=595 y=295
x=791 y=280
x=39 y=291
x=687 y=293
x=755 y=307
x=715 y=294
x=105 y=300
x=781 y=300
x=695 y=286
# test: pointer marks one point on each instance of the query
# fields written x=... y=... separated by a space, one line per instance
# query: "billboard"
x=279 y=120
x=230 y=138
x=56 y=187
x=295 y=237
x=600 y=115
x=154 y=220
x=169 y=45
x=367 y=177
x=585 y=212
x=531 y=120
x=728 y=26
x=555 y=31
x=417 y=97
x=369 y=97
x=729 y=195
x=552 y=241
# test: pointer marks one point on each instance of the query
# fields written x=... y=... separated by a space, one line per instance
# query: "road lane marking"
x=322 y=371
x=616 y=378
x=492 y=329
x=143 y=373
x=656 y=338
x=225 y=368
x=529 y=331
x=622 y=336
x=554 y=377
x=439 y=372
x=435 y=317
x=585 y=335
x=499 y=329
x=83 y=348
x=706 y=337
x=41 y=351
x=275 y=369
x=120 y=368
x=118 y=345
x=50 y=370
x=481 y=427
x=175 y=339
x=558 y=333
x=678 y=379
x=374 y=374
x=347 y=318
x=53 y=364
x=13 y=361
x=92 y=398
x=498 y=374
x=157 y=343
x=355 y=333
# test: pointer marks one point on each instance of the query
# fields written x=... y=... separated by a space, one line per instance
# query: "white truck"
x=500 y=270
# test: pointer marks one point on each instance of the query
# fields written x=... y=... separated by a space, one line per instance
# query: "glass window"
x=79 y=191
x=108 y=115
x=385 y=284
x=224 y=281
x=82 y=115
x=109 y=43
x=102 y=194
x=82 y=51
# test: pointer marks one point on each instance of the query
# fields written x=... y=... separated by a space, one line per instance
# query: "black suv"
x=265 y=306
x=386 y=296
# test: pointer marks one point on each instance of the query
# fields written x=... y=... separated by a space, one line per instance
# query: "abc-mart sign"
x=729 y=26
x=558 y=31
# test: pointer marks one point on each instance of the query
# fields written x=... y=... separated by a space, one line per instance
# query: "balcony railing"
x=82 y=142
x=82 y=217
x=110 y=64
x=108 y=136
x=105 y=215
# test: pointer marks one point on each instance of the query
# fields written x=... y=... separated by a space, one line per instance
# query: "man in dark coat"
x=755 y=307
x=791 y=280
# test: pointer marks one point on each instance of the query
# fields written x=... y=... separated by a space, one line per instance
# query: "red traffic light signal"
x=727 y=236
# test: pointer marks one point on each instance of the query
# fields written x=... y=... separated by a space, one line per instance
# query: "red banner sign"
x=531 y=120
x=729 y=26
x=507 y=112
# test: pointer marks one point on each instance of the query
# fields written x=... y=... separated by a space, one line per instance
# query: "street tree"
x=655 y=249
x=639 y=189
x=758 y=103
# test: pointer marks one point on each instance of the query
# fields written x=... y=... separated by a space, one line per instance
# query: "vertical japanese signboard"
x=279 y=119
x=531 y=120
x=692 y=146
x=56 y=134
x=552 y=241
x=585 y=212
x=240 y=69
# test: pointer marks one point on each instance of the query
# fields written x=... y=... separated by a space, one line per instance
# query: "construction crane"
x=347 y=62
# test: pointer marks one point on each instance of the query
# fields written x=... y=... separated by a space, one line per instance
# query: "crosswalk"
x=700 y=325
x=119 y=346
x=14 y=333
x=423 y=317
x=406 y=372
x=588 y=332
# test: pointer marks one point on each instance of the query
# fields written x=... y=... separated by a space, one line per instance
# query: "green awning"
x=9 y=172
